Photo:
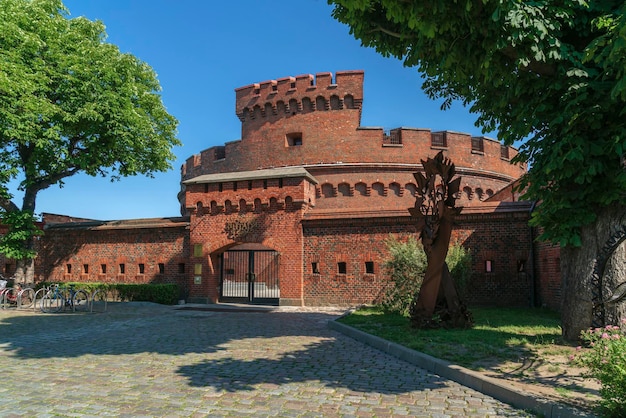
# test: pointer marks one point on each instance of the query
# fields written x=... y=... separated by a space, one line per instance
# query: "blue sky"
x=202 y=51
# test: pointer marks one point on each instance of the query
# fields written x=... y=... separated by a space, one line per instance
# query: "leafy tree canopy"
x=70 y=103
x=551 y=72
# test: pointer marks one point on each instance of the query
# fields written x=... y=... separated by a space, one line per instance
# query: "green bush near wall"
x=165 y=294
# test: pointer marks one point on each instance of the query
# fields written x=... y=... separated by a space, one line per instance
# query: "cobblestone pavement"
x=145 y=360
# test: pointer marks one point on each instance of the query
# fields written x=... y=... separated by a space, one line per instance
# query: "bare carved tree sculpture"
x=437 y=303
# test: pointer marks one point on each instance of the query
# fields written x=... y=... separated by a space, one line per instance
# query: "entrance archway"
x=249 y=274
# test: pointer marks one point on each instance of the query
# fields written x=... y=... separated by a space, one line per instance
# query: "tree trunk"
x=25 y=267
x=591 y=273
x=25 y=271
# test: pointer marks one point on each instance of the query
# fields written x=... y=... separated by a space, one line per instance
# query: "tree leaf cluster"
x=550 y=73
x=71 y=103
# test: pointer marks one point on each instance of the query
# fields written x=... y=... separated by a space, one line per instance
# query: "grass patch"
x=499 y=334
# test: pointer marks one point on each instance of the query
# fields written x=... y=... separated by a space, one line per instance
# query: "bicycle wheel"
x=26 y=298
x=10 y=297
x=52 y=302
x=99 y=301
x=80 y=301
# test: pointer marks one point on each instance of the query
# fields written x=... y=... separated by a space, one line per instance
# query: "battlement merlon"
x=299 y=87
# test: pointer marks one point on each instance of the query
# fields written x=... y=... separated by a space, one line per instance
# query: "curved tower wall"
x=314 y=122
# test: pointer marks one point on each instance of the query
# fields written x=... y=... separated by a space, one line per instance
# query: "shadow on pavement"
x=233 y=350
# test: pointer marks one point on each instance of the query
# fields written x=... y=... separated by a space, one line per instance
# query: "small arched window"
x=379 y=188
x=273 y=204
x=328 y=190
x=307 y=105
x=293 y=106
x=281 y=109
x=361 y=188
x=396 y=189
x=348 y=101
x=289 y=203
x=411 y=188
x=467 y=193
x=343 y=189
x=320 y=103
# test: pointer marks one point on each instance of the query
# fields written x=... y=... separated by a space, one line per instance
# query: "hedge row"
x=165 y=294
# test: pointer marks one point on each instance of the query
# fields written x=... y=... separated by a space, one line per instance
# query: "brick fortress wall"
x=363 y=177
x=359 y=244
x=135 y=251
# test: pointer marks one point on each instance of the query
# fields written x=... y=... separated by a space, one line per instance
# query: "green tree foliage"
x=553 y=73
x=71 y=103
x=406 y=266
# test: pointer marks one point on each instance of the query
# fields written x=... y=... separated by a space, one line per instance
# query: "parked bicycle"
x=57 y=298
x=19 y=296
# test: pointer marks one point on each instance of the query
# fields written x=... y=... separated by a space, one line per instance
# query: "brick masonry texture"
x=309 y=182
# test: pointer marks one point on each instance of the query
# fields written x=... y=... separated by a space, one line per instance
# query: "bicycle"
x=56 y=299
x=20 y=295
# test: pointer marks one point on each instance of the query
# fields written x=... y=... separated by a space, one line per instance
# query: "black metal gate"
x=250 y=276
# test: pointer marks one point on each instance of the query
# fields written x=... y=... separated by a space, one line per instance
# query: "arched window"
x=348 y=101
x=269 y=110
x=335 y=104
x=293 y=106
x=307 y=105
x=411 y=188
x=258 y=207
x=289 y=203
x=343 y=189
x=467 y=193
x=480 y=194
x=320 y=103
x=328 y=190
x=281 y=109
x=396 y=189
x=243 y=206
x=379 y=188
x=361 y=188
x=273 y=204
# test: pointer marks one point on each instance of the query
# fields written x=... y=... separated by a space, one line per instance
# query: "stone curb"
x=497 y=389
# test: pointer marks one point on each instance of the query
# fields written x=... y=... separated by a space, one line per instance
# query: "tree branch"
x=537 y=67
x=44 y=183
x=385 y=31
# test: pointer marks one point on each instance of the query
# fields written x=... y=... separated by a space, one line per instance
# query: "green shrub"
x=166 y=294
x=459 y=261
x=407 y=265
x=606 y=361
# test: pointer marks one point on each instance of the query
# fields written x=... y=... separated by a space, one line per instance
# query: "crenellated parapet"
x=306 y=93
